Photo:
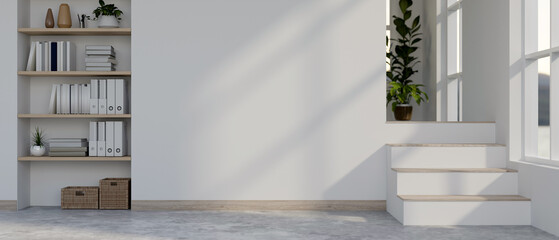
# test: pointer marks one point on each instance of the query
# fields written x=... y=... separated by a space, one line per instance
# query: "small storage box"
x=114 y=193
x=80 y=198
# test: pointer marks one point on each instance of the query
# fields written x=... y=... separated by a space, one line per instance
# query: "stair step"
x=445 y=145
x=447 y=156
x=463 y=198
x=456 y=170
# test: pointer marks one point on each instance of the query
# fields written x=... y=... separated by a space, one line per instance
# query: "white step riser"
x=457 y=183
x=467 y=213
x=447 y=157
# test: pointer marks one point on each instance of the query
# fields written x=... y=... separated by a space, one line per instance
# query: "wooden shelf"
x=75 y=74
x=77 y=31
x=75 y=159
x=74 y=116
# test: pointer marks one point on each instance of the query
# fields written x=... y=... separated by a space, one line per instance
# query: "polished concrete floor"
x=53 y=223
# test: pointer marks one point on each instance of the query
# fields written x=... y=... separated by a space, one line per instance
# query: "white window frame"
x=530 y=81
x=449 y=54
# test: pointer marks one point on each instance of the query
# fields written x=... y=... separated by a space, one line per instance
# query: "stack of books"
x=68 y=147
x=51 y=56
x=100 y=58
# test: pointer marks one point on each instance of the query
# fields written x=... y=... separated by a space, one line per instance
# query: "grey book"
x=67 y=144
x=68 y=140
x=67 y=154
x=99 y=47
x=100 y=68
x=99 y=65
x=68 y=149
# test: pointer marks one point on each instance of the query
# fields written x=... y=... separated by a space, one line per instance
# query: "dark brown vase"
x=403 y=112
x=49 y=20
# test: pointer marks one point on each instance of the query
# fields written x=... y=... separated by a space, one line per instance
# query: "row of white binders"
x=102 y=96
x=107 y=139
x=52 y=56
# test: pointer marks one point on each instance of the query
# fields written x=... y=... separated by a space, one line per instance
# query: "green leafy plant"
x=107 y=10
x=401 y=89
x=38 y=137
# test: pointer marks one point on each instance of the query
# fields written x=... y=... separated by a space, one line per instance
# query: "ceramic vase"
x=37 y=151
x=64 y=17
x=49 y=20
x=107 y=22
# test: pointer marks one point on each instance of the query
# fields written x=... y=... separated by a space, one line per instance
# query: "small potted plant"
x=38 y=142
x=108 y=15
x=401 y=89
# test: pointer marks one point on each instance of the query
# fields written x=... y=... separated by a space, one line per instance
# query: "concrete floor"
x=53 y=223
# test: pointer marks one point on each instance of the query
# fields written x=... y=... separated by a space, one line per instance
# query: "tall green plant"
x=401 y=89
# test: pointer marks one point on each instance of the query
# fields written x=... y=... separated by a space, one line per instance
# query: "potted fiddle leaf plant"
x=108 y=15
x=38 y=142
x=401 y=89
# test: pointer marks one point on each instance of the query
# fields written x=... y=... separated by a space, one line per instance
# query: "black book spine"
x=53 y=56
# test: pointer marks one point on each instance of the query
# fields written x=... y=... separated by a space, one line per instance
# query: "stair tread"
x=445 y=145
x=455 y=170
x=462 y=198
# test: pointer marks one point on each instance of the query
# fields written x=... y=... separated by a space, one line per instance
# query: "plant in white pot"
x=38 y=142
x=401 y=89
x=108 y=15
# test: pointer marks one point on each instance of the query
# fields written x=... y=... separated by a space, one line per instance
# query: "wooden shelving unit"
x=34 y=92
x=75 y=74
x=77 y=31
x=74 y=159
x=74 y=116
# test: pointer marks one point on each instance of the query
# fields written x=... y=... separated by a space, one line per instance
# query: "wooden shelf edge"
x=74 y=159
x=77 y=31
x=74 y=116
x=75 y=74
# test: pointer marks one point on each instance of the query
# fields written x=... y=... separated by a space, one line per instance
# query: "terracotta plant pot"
x=403 y=112
x=64 y=16
x=49 y=20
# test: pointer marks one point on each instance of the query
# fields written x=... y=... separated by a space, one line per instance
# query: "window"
x=449 y=86
x=541 y=112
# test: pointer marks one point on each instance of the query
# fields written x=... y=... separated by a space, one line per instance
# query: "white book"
x=106 y=64
x=58 y=100
x=101 y=60
x=65 y=95
x=70 y=56
x=121 y=98
x=47 y=55
x=94 y=97
x=119 y=139
x=100 y=52
x=111 y=106
x=109 y=139
x=102 y=69
x=32 y=61
x=102 y=96
x=101 y=139
x=99 y=47
x=80 y=110
x=59 y=57
x=86 y=91
x=74 y=99
x=52 y=102
x=38 y=56
x=93 y=139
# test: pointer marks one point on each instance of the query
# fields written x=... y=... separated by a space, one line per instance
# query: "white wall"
x=8 y=95
x=485 y=64
x=265 y=100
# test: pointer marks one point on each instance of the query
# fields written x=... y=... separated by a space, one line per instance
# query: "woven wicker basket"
x=80 y=198
x=114 y=193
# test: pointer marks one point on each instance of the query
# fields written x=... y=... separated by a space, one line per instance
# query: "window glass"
x=544 y=140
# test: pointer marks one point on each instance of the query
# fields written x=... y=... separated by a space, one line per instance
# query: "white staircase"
x=453 y=184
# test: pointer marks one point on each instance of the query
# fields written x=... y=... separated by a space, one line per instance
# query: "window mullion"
x=554 y=102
